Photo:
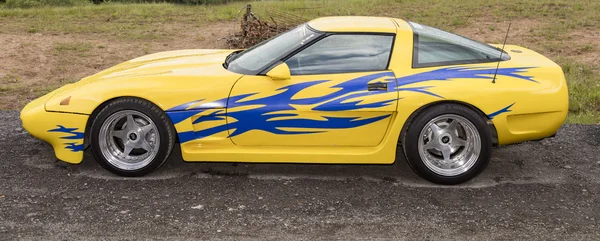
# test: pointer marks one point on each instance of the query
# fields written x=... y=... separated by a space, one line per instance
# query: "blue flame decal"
x=74 y=147
x=445 y=74
x=421 y=89
x=266 y=109
x=448 y=74
x=262 y=116
x=72 y=134
x=503 y=110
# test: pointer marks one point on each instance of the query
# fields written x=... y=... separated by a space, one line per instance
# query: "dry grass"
x=43 y=48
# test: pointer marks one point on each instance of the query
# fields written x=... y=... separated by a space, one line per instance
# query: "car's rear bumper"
x=64 y=131
x=525 y=127
x=540 y=106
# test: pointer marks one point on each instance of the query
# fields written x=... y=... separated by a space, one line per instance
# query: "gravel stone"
x=526 y=193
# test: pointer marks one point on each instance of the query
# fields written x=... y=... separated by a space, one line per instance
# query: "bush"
x=42 y=3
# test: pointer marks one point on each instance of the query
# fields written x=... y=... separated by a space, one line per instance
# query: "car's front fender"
x=64 y=131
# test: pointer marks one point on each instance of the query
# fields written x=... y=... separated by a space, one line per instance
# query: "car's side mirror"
x=280 y=72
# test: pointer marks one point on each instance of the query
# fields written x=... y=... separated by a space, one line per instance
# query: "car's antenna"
x=501 y=52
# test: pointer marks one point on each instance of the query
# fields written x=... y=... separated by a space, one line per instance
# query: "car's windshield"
x=255 y=59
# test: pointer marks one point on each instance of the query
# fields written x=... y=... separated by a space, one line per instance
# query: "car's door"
x=340 y=93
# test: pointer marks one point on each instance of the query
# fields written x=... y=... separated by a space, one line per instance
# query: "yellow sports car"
x=336 y=90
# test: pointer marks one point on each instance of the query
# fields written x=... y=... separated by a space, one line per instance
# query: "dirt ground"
x=526 y=32
x=546 y=190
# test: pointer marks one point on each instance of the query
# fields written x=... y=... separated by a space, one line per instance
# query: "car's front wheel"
x=447 y=144
x=131 y=137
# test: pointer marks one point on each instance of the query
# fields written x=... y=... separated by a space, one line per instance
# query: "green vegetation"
x=87 y=17
x=584 y=91
x=42 y=3
x=73 y=46
x=62 y=3
x=566 y=31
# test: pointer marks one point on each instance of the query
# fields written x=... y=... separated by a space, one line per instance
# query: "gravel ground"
x=546 y=190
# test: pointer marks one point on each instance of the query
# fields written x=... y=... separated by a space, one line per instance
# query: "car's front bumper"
x=64 y=131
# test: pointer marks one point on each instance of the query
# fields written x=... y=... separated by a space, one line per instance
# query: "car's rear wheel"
x=447 y=144
x=131 y=137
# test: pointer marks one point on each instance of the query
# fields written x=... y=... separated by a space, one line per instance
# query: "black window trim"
x=325 y=35
x=415 y=57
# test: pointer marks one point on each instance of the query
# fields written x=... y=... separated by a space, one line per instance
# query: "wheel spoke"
x=435 y=129
x=119 y=134
x=453 y=127
x=127 y=149
x=430 y=145
x=145 y=145
x=131 y=123
x=146 y=129
x=457 y=142
x=446 y=151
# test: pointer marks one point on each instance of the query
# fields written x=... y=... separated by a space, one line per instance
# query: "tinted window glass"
x=343 y=53
x=260 y=56
x=434 y=47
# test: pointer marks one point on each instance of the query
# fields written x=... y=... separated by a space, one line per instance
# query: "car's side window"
x=343 y=53
x=434 y=47
x=434 y=51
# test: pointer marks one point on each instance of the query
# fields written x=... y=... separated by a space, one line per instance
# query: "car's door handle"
x=377 y=86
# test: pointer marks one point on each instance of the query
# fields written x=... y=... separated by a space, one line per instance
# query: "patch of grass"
x=73 y=46
x=33 y=30
x=459 y=21
x=583 y=118
x=43 y=3
x=58 y=3
x=9 y=79
x=148 y=18
x=584 y=88
x=586 y=48
x=43 y=89
x=11 y=86
x=124 y=21
x=431 y=12
x=6 y=88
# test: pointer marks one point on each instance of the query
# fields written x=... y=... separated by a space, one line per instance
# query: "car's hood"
x=159 y=69
x=164 y=63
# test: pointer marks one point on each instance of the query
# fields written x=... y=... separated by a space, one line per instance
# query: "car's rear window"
x=434 y=47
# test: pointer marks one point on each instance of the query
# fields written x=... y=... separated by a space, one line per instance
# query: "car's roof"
x=357 y=24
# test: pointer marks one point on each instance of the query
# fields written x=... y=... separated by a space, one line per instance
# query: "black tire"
x=163 y=125
x=410 y=138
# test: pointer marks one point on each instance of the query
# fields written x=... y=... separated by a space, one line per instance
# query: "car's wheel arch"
x=450 y=102
x=99 y=107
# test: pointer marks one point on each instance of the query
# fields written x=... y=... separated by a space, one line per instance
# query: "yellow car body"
x=221 y=115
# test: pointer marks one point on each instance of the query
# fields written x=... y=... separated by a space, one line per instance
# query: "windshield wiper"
x=230 y=57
